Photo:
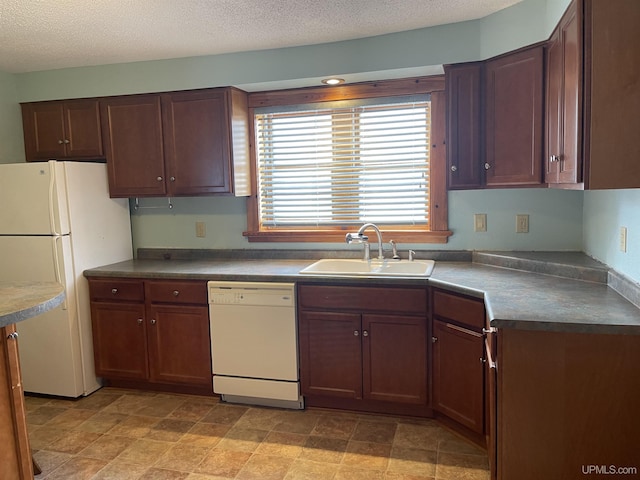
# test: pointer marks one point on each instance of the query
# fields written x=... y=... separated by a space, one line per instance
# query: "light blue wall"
x=605 y=211
x=11 y=142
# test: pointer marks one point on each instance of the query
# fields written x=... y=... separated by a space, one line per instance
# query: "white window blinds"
x=343 y=165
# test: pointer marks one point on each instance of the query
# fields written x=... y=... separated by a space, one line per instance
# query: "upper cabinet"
x=563 y=164
x=68 y=129
x=463 y=84
x=180 y=143
x=495 y=121
x=514 y=118
x=611 y=94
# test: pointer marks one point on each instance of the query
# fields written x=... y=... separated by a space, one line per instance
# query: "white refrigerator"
x=57 y=220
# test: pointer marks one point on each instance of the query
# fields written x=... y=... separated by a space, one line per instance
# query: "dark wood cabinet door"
x=119 y=340
x=83 y=136
x=464 y=125
x=394 y=350
x=514 y=118
x=197 y=142
x=179 y=344
x=132 y=132
x=43 y=125
x=330 y=354
x=458 y=374
x=563 y=156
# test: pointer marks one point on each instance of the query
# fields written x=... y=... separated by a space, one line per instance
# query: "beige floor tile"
x=404 y=476
x=169 y=429
x=425 y=437
x=202 y=476
x=338 y=427
x=102 y=422
x=310 y=470
x=107 y=447
x=452 y=443
x=121 y=471
x=282 y=444
x=324 y=449
x=182 y=457
x=265 y=467
x=458 y=466
x=296 y=422
x=73 y=442
x=367 y=455
x=224 y=414
x=43 y=414
x=32 y=403
x=377 y=432
x=71 y=418
x=42 y=437
x=77 y=468
x=349 y=472
x=134 y=426
x=192 y=410
x=97 y=400
x=160 y=406
x=127 y=404
x=259 y=419
x=163 y=474
x=242 y=439
x=413 y=461
x=144 y=452
x=223 y=463
x=49 y=461
x=205 y=434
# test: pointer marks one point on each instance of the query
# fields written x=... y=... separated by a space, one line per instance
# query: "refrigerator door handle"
x=52 y=198
x=56 y=267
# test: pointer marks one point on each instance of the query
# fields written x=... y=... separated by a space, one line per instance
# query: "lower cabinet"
x=364 y=348
x=459 y=360
x=152 y=333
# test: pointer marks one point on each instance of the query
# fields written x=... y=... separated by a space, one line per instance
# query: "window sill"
x=337 y=236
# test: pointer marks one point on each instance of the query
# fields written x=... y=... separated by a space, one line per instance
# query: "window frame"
x=434 y=85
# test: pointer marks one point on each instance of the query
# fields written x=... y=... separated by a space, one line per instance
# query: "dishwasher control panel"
x=230 y=293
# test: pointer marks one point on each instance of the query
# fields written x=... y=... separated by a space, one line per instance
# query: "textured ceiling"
x=50 y=34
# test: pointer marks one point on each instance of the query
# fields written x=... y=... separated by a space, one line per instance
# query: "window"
x=326 y=167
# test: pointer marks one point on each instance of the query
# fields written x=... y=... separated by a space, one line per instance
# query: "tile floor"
x=117 y=434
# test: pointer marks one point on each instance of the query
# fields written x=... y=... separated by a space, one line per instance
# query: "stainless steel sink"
x=388 y=268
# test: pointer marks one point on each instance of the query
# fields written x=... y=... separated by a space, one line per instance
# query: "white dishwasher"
x=254 y=343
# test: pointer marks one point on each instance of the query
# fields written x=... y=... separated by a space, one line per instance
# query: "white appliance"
x=254 y=343
x=56 y=220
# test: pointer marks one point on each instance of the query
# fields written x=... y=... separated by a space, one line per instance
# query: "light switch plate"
x=480 y=222
x=522 y=223
x=201 y=229
x=623 y=239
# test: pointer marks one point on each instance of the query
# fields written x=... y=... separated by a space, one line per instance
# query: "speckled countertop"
x=528 y=291
x=22 y=300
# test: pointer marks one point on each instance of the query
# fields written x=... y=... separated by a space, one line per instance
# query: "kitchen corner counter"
x=22 y=300
x=534 y=297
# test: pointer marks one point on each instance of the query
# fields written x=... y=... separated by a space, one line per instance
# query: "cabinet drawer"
x=378 y=299
x=116 y=289
x=176 y=292
x=459 y=309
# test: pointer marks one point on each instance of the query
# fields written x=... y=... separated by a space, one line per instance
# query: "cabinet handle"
x=139 y=321
x=176 y=293
x=114 y=291
x=483 y=360
x=434 y=339
x=356 y=333
x=153 y=321
x=159 y=179
x=454 y=168
x=173 y=179
x=365 y=333
x=487 y=166
x=554 y=158
x=12 y=336
x=489 y=330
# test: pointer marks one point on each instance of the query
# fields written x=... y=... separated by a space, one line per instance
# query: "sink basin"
x=387 y=268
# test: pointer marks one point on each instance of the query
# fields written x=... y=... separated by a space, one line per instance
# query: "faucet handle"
x=411 y=255
x=355 y=238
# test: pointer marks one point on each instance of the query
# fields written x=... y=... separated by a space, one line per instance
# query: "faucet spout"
x=377 y=230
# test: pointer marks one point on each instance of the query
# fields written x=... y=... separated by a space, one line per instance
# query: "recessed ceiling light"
x=333 y=81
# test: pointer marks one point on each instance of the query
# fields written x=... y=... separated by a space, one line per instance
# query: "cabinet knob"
x=434 y=339
x=153 y=321
x=356 y=333
x=454 y=168
x=12 y=336
x=365 y=333
x=487 y=166
x=173 y=179
x=139 y=321
x=66 y=141
x=483 y=360
x=60 y=142
x=159 y=178
x=114 y=291
x=176 y=293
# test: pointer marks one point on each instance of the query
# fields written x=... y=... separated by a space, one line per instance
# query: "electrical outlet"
x=201 y=229
x=522 y=223
x=623 y=239
x=480 y=222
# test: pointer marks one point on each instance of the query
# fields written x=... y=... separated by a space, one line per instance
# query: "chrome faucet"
x=360 y=237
